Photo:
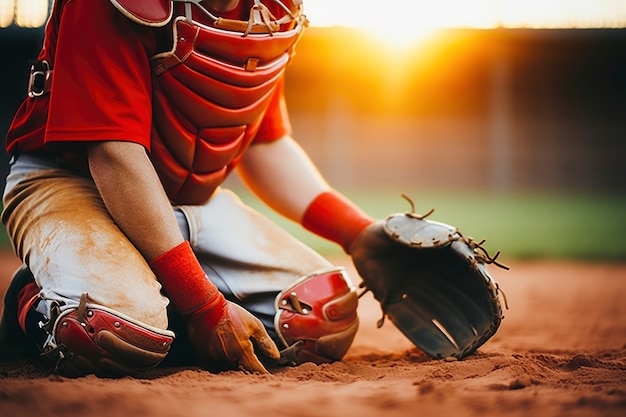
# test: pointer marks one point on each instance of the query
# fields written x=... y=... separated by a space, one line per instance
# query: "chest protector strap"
x=210 y=93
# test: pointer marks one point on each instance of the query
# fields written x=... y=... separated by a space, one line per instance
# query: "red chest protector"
x=210 y=93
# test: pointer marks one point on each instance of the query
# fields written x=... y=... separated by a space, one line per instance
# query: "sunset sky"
x=410 y=15
x=414 y=17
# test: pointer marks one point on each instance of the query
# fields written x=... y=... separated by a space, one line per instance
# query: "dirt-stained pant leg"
x=60 y=228
x=245 y=254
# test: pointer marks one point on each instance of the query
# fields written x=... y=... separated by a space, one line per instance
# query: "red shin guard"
x=317 y=317
x=95 y=340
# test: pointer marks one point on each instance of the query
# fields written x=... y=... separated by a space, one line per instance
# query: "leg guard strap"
x=316 y=317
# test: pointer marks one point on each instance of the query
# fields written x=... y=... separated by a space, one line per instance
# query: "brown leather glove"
x=222 y=335
x=221 y=332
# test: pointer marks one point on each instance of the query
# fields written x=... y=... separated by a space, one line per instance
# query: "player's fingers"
x=255 y=329
x=237 y=348
x=265 y=343
x=248 y=361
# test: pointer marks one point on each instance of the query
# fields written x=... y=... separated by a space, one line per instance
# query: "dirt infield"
x=561 y=351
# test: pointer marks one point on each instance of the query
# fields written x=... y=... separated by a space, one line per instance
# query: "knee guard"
x=93 y=339
x=316 y=318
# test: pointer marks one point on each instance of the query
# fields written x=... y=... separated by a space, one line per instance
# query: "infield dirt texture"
x=561 y=351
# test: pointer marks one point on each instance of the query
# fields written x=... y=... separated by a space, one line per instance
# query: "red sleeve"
x=276 y=123
x=101 y=87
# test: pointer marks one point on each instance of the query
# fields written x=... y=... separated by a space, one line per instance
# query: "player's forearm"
x=133 y=195
x=283 y=176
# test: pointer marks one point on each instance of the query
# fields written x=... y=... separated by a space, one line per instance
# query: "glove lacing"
x=481 y=255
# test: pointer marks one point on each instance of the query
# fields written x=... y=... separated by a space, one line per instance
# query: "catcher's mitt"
x=431 y=281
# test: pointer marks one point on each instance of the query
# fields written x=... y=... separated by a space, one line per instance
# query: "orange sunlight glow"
x=402 y=22
x=399 y=24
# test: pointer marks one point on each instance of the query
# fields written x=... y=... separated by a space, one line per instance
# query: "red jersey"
x=102 y=83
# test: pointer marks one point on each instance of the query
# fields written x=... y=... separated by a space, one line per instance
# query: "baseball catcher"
x=135 y=253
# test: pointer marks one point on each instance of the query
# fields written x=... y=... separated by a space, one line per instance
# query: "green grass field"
x=522 y=225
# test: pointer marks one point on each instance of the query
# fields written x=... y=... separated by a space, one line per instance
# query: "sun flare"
x=406 y=21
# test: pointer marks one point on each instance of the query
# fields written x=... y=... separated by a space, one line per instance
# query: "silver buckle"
x=39 y=79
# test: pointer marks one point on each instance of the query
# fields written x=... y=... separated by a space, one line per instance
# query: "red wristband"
x=336 y=218
x=184 y=280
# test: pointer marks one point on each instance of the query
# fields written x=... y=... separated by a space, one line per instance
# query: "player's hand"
x=223 y=336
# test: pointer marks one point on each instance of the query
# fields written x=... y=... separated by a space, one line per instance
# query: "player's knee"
x=93 y=339
x=317 y=318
